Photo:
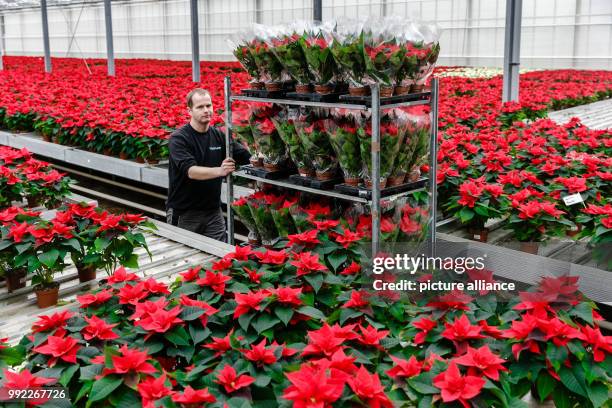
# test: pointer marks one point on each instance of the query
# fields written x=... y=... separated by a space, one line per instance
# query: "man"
x=198 y=164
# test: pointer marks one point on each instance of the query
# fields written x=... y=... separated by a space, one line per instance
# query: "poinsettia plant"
x=316 y=141
x=344 y=138
x=262 y=215
x=286 y=46
x=105 y=240
x=241 y=208
x=266 y=137
x=285 y=126
x=348 y=51
x=315 y=45
x=536 y=219
x=390 y=141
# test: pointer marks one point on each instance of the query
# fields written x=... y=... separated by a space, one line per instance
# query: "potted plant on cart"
x=14 y=221
x=318 y=55
x=42 y=248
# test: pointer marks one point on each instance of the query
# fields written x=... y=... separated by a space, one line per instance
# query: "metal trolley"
x=373 y=105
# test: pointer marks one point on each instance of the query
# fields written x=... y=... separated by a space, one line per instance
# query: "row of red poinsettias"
x=269 y=326
x=22 y=176
x=36 y=248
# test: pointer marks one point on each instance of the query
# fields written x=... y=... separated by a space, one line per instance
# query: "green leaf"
x=74 y=243
x=131 y=261
x=264 y=322
x=103 y=387
x=90 y=372
x=312 y=312
x=67 y=375
x=191 y=313
x=198 y=334
x=422 y=388
x=284 y=313
x=571 y=382
x=314 y=280
x=466 y=215
x=336 y=259
x=562 y=398
x=129 y=400
x=598 y=394
x=262 y=380
x=245 y=320
x=545 y=384
x=49 y=258
x=347 y=314
x=178 y=336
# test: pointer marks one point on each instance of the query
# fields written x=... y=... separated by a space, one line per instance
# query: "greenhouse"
x=306 y=203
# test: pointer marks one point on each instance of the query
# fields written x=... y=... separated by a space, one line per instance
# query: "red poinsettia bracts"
x=232 y=382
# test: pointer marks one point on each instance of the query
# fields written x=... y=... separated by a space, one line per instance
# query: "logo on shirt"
x=215 y=148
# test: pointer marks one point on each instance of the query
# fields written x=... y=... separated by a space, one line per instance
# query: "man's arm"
x=207 y=173
x=181 y=154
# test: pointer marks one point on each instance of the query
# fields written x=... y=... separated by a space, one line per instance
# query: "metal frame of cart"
x=375 y=108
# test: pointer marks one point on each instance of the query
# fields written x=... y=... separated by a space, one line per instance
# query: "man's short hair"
x=199 y=91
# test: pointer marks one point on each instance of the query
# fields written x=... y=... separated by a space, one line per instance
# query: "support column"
x=317 y=10
x=110 y=50
x=512 y=50
x=195 y=42
x=45 y=27
x=2 y=45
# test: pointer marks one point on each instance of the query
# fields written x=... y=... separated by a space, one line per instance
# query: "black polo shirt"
x=189 y=147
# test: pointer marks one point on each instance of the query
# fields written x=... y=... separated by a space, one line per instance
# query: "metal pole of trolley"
x=433 y=165
x=195 y=42
x=375 y=118
x=1 y=41
x=227 y=87
x=110 y=49
x=317 y=10
x=45 y=28
x=512 y=50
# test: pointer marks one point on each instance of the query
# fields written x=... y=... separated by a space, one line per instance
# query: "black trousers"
x=208 y=223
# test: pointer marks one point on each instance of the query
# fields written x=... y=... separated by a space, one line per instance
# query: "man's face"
x=202 y=109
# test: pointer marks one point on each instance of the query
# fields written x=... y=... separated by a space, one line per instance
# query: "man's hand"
x=227 y=167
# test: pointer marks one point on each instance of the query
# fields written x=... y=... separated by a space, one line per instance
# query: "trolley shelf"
x=365 y=105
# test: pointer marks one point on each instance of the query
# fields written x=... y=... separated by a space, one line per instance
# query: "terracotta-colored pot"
x=306 y=172
x=396 y=180
x=413 y=176
x=303 y=88
x=15 y=279
x=386 y=91
x=402 y=90
x=352 y=181
x=530 y=247
x=107 y=152
x=383 y=183
x=574 y=232
x=140 y=160
x=273 y=86
x=271 y=167
x=46 y=138
x=256 y=162
x=414 y=88
x=123 y=155
x=86 y=273
x=359 y=91
x=325 y=175
x=47 y=297
x=257 y=85
x=480 y=235
x=153 y=161
x=323 y=89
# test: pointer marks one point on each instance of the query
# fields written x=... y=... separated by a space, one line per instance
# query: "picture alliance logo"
x=412 y=264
